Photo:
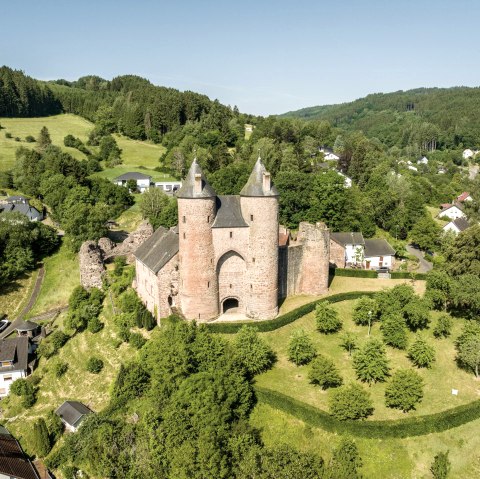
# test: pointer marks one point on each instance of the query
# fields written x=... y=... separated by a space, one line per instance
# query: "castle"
x=228 y=253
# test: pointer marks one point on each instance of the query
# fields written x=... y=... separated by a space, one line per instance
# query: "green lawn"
x=15 y=294
x=62 y=275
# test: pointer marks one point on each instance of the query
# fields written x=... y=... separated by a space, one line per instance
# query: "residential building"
x=72 y=413
x=378 y=254
x=465 y=196
x=423 y=160
x=452 y=211
x=13 y=362
x=168 y=187
x=456 y=226
x=328 y=154
x=143 y=181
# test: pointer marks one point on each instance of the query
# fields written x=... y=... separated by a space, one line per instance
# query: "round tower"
x=198 y=286
x=259 y=202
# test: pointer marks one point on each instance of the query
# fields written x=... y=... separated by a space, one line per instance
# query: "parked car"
x=4 y=324
x=383 y=269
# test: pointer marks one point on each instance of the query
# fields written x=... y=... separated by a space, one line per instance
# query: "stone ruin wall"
x=337 y=254
x=92 y=256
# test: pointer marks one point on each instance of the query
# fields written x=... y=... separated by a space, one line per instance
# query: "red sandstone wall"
x=337 y=254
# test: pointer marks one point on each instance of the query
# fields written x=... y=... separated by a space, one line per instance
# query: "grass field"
x=15 y=294
x=61 y=277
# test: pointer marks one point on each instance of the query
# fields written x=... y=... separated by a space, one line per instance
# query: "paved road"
x=424 y=265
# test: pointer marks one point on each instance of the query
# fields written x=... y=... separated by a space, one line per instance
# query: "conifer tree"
x=394 y=331
x=404 y=390
x=301 y=349
x=327 y=318
x=43 y=140
x=41 y=439
x=346 y=461
x=421 y=353
x=324 y=373
x=370 y=362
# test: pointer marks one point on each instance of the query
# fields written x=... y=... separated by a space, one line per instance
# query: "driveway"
x=424 y=266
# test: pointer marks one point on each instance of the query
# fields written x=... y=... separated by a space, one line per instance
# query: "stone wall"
x=337 y=254
x=91 y=265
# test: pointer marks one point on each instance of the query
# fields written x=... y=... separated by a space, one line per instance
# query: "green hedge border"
x=399 y=428
x=354 y=273
x=405 y=275
x=287 y=318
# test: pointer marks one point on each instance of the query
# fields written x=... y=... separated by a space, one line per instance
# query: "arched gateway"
x=231 y=273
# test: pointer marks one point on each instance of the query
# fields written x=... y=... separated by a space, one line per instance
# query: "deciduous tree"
x=404 y=390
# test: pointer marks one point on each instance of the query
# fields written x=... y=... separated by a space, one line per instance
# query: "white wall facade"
x=6 y=380
x=450 y=227
x=453 y=213
x=374 y=262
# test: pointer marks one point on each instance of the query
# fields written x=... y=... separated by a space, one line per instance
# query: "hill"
x=448 y=116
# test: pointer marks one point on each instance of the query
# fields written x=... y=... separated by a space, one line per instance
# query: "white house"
x=347 y=181
x=456 y=226
x=465 y=196
x=143 y=181
x=352 y=247
x=378 y=254
x=72 y=413
x=413 y=168
x=423 y=161
x=451 y=211
x=168 y=186
x=13 y=362
x=468 y=153
x=328 y=154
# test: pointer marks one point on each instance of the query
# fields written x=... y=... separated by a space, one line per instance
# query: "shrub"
x=253 y=352
x=443 y=328
x=351 y=401
x=59 y=369
x=41 y=439
x=421 y=353
x=58 y=339
x=440 y=467
x=17 y=138
x=365 y=311
x=324 y=373
x=370 y=362
x=54 y=425
x=394 y=331
x=468 y=353
x=404 y=390
x=26 y=390
x=326 y=318
x=30 y=139
x=136 y=340
x=94 y=365
x=8 y=135
x=346 y=461
x=120 y=263
x=301 y=349
x=95 y=325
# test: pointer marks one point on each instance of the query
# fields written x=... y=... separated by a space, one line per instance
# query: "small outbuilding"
x=378 y=254
x=72 y=413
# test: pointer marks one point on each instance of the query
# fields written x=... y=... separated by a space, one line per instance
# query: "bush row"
x=354 y=273
x=284 y=319
x=406 y=275
x=399 y=428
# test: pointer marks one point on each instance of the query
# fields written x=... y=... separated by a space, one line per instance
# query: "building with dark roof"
x=24 y=208
x=457 y=226
x=14 y=463
x=13 y=362
x=72 y=413
x=225 y=253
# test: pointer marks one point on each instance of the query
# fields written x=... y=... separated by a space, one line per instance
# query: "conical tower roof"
x=188 y=189
x=255 y=183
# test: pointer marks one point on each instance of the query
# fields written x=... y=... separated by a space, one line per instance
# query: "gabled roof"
x=344 y=239
x=13 y=461
x=15 y=198
x=254 y=185
x=447 y=206
x=378 y=247
x=229 y=213
x=158 y=249
x=72 y=412
x=132 y=175
x=461 y=224
x=16 y=350
x=24 y=208
x=463 y=196
x=188 y=187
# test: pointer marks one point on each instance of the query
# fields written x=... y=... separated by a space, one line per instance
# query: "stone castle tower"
x=224 y=253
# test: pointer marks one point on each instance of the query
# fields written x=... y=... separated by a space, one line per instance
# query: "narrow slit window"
x=184 y=236
x=253 y=260
x=208 y=219
x=184 y=219
x=251 y=217
x=231 y=234
x=208 y=284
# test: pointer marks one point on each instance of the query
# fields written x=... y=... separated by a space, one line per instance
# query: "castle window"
x=184 y=219
x=251 y=286
x=208 y=284
x=208 y=219
x=253 y=260
x=231 y=234
x=230 y=286
x=251 y=217
x=184 y=236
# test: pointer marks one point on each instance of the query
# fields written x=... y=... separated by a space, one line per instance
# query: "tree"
x=348 y=341
x=365 y=312
x=326 y=318
x=426 y=233
x=41 y=440
x=324 y=373
x=417 y=314
x=301 y=349
x=463 y=257
x=370 y=362
x=94 y=365
x=158 y=208
x=468 y=353
x=404 y=390
x=109 y=151
x=43 y=140
x=350 y=401
x=253 y=353
x=440 y=467
x=443 y=328
x=394 y=331
x=346 y=461
x=439 y=287
x=421 y=353
x=132 y=186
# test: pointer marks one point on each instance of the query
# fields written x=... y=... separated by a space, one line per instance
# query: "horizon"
x=326 y=54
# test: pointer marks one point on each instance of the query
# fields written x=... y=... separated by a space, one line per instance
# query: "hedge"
x=399 y=428
x=287 y=318
x=406 y=275
x=354 y=273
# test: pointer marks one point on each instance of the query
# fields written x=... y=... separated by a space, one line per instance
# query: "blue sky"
x=266 y=57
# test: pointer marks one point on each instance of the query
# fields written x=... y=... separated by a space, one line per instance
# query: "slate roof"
x=188 y=187
x=378 y=247
x=13 y=461
x=26 y=326
x=461 y=224
x=229 y=213
x=72 y=412
x=16 y=350
x=24 y=208
x=347 y=238
x=132 y=175
x=254 y=185
x=15 y=198
x=158 y=250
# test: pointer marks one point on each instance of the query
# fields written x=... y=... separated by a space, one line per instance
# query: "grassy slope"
x=15 y=294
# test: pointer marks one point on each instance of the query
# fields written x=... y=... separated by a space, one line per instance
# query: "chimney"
x=266 y=182
x=198 y=183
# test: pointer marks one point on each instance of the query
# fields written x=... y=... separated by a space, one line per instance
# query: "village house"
x=13 y=362
x=423 y=161
x=143 y=181
x=72 y=414
x=328 y=154
x=468 y=153
x=456 y=226
x=452 y=211
x=20 y=204
x=465 y=196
